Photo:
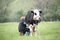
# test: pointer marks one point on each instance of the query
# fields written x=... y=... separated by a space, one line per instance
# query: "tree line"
x=50 y=9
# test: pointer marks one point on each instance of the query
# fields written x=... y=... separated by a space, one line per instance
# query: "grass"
x=46 y=31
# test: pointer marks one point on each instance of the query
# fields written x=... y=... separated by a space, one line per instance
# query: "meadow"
x=46 y=31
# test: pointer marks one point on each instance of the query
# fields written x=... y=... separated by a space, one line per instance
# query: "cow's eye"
x=35 y=13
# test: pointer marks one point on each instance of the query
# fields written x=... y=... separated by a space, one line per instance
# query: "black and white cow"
x=28 y=23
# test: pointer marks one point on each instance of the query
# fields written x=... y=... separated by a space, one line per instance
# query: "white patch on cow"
x=37 y=16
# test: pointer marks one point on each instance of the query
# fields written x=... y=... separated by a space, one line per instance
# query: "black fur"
x=29 y=17
x=40 y=12
x=22 y=26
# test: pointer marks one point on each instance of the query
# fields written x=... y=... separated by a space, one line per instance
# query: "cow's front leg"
x=34 y=29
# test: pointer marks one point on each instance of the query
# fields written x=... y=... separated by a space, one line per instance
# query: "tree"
x=4 y=9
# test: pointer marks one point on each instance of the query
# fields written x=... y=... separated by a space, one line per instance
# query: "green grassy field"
x=46 y=31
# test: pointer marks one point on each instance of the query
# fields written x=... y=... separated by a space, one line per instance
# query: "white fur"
x=37 y=16
x=31 y=31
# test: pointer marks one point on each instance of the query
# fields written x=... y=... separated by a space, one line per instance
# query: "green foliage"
x=19 y=14
x=12 y=10
x=4 y=10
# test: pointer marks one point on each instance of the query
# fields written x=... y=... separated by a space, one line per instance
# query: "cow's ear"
x=40 y=11
x=32 y=12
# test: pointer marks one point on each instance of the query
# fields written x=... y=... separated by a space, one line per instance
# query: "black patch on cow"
x=22 y=27
x=29 y=16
